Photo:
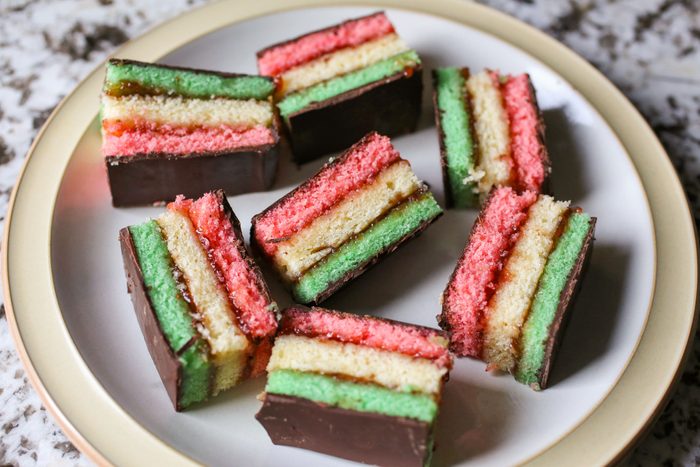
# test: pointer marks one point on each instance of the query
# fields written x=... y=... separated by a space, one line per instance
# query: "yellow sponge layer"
x=181 y=111
x=492 y=131
x=349 y=217
x=389 y=369
x=509 y=306
x=229 y=346
x=341 y=62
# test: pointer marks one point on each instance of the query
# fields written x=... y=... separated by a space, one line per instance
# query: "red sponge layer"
x=126 y=140
x=356 y=167
x=282 y=57
x=383 y=334
x=474 y=279
x=527 y=149
x=225 y=247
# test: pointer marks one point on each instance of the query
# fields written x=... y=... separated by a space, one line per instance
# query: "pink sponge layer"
x=474 y=279
x=356 y=167
x=280 y=58
x=528 y=152
x=383 y=334
x=170 y=139
x=224 y=248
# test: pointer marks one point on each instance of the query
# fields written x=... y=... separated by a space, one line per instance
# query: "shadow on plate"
x=595 y=313
x=463 y=430
x=566 y=159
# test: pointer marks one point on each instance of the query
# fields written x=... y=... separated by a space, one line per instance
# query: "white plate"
x=485 y=419
x=75 y=331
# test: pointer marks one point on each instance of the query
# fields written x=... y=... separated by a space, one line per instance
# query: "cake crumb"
x=474 y=176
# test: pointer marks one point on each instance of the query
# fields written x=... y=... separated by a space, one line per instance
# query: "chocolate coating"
x=153 y=178
x=359 y=436
x=566 y=299
x=390 y=106
x=167 y=363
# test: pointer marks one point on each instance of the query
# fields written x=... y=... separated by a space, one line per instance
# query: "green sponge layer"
x=196 y=374
x=456 y=133
x=400 y=222
x=362 y=397
x=172 y=311
x=327 y=89
x=143 y=78
x=535 y=334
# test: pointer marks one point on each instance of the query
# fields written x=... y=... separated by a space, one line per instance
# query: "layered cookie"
x=357 y=387
x=338 y=83
x=330 y=229
x=169 y=130
x=491 y=134
x=204 y=309
x=508 y=298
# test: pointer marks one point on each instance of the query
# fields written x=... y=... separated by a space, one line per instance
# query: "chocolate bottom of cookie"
x=164 y=358
x=155 y=178
x=390 y=106
x=358 y=436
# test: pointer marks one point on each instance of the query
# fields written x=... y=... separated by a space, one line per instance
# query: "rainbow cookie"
x=338 y=83
x=330 y=229
x=491 y=134
x=201 y=302
x=508 y=297
x=168 y=130
x=357 y=387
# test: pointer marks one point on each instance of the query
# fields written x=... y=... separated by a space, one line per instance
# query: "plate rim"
x=619 y=114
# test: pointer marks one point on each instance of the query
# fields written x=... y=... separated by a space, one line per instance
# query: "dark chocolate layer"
x=390 y=106
x=359 y=436
x=566 y=300
x=167 y=363
x=153 y=178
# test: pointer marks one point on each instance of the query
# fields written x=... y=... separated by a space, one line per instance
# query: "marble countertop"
x=649 y=48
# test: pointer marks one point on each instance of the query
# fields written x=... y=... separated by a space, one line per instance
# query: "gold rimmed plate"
x=77 y=334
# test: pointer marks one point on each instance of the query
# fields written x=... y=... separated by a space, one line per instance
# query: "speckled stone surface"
x=649 y=48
